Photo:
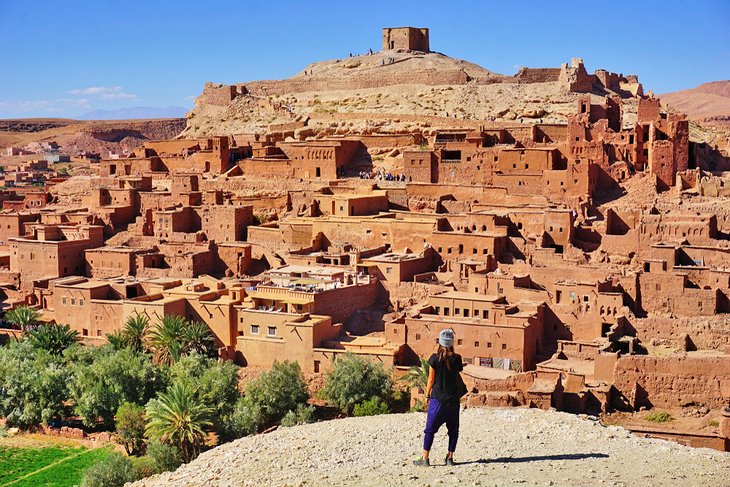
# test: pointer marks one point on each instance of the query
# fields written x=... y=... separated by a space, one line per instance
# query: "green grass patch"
x=659 y=417
x=56 y=466
x=16 y=462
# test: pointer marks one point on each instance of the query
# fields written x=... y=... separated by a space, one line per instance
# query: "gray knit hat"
x=446 y=338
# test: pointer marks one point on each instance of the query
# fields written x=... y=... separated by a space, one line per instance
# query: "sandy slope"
x=704 y=101
x=496 y=447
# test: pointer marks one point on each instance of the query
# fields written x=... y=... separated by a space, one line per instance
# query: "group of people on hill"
x=369 y=53
x=382 y=175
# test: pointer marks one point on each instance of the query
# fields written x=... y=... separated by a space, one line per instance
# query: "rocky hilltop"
x=496 y=447
x=708 y=103
x=88 y=135
x=397 y=91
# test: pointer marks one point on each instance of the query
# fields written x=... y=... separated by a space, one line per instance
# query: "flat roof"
x=89 y=284
x=471 y=321
x=121 y=250
x=394 y=257
x=284 y=298
x=480 y=372
x=467 y=295
x=306 y=269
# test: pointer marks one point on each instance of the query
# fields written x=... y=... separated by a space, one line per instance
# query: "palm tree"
x=53 y=338
x=23 y=316
x=135 y=332
x=166 y=339
x=197 y=337
x=177 y=418
x=117 y=339
x=417 y=376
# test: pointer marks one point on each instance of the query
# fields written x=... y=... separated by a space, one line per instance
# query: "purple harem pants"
x=438 y=414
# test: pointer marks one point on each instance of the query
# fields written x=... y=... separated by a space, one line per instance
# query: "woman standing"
x=443 y=391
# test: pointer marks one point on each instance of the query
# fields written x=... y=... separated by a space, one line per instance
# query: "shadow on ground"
x=539 y=458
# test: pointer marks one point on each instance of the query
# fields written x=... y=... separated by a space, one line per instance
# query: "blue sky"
x=63 y=58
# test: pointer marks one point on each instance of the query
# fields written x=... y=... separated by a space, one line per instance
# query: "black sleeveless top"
x=446 y=386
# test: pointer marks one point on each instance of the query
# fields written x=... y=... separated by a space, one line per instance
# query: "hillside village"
x=579 y=247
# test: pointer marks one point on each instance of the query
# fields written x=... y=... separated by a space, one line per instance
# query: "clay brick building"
x=565 y=163
x=14 y=224
x=109 y=261
x=673 y=290
x=398 y=267
x=320 y=159
x=28 y=200
x=207 y=155
x=332 y=291
x=406 y=38
x=50 y=251
x=489 y=331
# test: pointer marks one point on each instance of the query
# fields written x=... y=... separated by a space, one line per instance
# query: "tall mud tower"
x=406 y=38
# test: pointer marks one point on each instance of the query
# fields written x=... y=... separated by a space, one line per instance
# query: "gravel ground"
x=496 y=447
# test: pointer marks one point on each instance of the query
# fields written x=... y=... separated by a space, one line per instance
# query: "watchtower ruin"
x=407 y=38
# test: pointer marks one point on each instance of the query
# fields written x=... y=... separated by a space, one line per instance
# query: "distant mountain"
x=707 y=102
x=134 y=113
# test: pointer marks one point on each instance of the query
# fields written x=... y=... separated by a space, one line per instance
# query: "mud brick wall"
x=674 y=381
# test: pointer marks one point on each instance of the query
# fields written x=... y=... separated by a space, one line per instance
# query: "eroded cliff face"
x=92 y=135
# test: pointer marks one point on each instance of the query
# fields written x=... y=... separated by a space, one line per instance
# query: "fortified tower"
x=407 y=38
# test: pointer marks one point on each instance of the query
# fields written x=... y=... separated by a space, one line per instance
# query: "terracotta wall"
x=674 y=381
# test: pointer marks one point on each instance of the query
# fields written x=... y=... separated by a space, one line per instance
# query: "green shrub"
x=659 y=417
x=303 y=415
x=130 y=424
x=113 y=378
x=354 y=380
x=399 y=397
x=165 y=458
x=278 y=391
x=33 y=384
x=371 y=407
x=245 y=419
x=114 y=471
x=145 y=466
x=713 y=423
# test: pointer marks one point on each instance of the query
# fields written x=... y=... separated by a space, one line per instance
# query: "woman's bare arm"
x=431 y=380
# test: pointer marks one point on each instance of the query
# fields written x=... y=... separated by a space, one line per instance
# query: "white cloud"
x=32 y=107
x=79 y=99
x=103 y=92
